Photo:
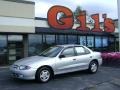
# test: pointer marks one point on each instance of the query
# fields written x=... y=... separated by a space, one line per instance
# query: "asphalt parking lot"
x=105 y=78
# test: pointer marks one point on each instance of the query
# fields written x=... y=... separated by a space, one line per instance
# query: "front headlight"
x=24 y=67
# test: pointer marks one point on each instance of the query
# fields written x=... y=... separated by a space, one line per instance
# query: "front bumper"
x=100 y=61
x=23 y=74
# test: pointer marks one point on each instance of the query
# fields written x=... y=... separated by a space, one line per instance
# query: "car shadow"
x=20 y=81
x=72 y=74
x=60 y=77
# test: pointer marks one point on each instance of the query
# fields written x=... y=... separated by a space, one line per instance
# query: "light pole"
x=118 y=4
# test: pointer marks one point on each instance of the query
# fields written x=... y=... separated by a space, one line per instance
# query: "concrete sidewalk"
x=114 y=84
x=4 y=67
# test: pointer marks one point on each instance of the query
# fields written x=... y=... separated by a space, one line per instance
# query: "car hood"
x=31 y=60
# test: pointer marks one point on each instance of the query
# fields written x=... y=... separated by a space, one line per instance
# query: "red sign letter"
x=109 y=25
x=63 y=23
x=82 y=20
x=96 y=28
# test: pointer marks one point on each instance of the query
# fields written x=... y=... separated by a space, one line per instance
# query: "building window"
x=90 y=41
x=111 y=44
x=82 y=40
x=72 y=39
x=50 y=39
x=35 y=44
x=105 y=41
x=61 y=39
x=98 y=42
x=104 y=44
x=3 y=49
x=15 y=48
x=14 y=38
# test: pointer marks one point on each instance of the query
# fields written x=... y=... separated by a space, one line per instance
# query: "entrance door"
x=3 y=50
x=15 y=48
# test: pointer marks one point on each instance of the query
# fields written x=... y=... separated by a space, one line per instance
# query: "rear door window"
x=81 y=50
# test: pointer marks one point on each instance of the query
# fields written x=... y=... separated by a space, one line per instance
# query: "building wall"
x=118 y=1
x=16 y=22
x=17 y=17
x=43 y=23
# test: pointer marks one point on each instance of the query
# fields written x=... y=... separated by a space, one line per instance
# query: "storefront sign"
x=67 y=22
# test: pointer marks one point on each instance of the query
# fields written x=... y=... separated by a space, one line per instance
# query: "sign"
x=67 y=22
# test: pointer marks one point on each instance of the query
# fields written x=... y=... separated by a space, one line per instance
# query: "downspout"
x=118 y=4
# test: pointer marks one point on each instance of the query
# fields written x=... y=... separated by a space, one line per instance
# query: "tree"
x=77 y=11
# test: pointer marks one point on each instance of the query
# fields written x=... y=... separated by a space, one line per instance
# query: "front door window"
x=69 y=52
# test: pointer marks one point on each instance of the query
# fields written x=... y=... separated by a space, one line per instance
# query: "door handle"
x=74 y=59
x=90 y=56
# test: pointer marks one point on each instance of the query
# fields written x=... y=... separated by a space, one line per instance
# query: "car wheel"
x=93 y=67
x=43 y=75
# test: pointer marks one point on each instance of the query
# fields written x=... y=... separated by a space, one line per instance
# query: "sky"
x=91 y=6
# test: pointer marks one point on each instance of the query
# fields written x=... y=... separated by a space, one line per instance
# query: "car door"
x=83 y=57
x=66 y=63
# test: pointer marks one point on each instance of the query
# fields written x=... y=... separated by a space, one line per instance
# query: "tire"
x=43 y=75
x=93 y=67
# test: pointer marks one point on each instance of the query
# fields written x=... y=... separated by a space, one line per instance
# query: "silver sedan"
x=56 y=60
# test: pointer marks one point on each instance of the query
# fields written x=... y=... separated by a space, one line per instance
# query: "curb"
x=4 y=67
x=116 y=81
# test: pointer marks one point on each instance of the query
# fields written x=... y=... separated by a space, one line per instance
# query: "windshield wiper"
x=42 y=55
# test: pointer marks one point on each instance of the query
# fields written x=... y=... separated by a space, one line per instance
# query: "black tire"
x=93 y=67
x=46 y=72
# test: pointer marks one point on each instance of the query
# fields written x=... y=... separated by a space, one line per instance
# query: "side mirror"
x=62 y=56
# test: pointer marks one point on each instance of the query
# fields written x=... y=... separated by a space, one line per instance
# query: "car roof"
x=69 y=45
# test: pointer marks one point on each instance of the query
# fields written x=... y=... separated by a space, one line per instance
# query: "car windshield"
x=51 y=52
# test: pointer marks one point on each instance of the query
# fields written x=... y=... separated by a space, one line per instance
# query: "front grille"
x=15 y=75
x=15 y=66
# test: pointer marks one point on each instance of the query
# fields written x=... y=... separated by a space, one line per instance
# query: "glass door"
x=3 y=50
x=15 y=48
